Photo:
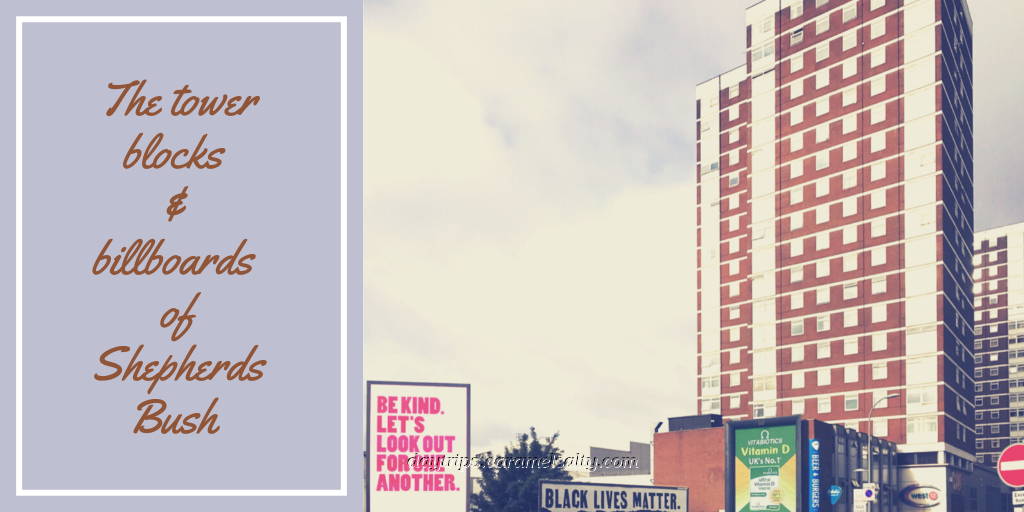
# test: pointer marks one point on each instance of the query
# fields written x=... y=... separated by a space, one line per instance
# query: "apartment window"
x=821 y=161
x=849 y=206
x=765 y=51
x=822 y=296
x=822 y=269
x=796 y=196
x=796 y=248
x=877 y=114
x=849 y=153
x=734 y=402
x=995 y=416
x=877 y=28
x=734 y=245
x=797 y=355
x=734 y=91
x=768 y=24
x=878 y=313
x=878 y=342
x=977 y=359
x=734 y=289
x=734 y=113
x=877 y=171
x=798 y=406
x=875 y=4
x=821 y=107
x=878 y=256
x=734 y=312
x=977 y=374
x=764 y=383
x=849 y=260
x=877 y=199
x=849 y=347
x=796 y=10
x=978 y=401
x=734 y=180
x=880 y=428
x=796 y=143
x=849 y=12
x=821 y=80
x=993 y=372
x=796 y=328
x=821 y=242
x=877 y=142
x=878 y=85
x=796 y=89
x=821 y=51
x=796 y=116
x=824 y=352
x=877 y=228
x=796 y=63
x=879 y=371
x=877 y=285
x=824 y=323
x=734 y=136
x=821 y=190
x=993 y=401
x=796 y=275
x=849 y=41
x=878 y=57
x=821 y=26
x=850 y=69
x=734 y=335
x=849 y=319
x=821 y=134
x=849 y=290
x=796 y=37
x=849 y=97
x=734 y=267
x=852 y=400
x=824 y=403
x=796 y=221
x=849 y=124
x=849 y=180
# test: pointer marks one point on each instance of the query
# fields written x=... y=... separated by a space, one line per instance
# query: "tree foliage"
x=510 y=482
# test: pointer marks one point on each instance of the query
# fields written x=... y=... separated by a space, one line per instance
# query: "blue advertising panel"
x=814 y=457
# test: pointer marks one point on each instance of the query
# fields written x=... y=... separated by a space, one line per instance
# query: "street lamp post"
x=871 y=434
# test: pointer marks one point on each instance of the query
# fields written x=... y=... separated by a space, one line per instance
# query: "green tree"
x=510 y=482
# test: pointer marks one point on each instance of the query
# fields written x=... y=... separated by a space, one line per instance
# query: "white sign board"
x=1018 y=497
x=581 y=497
x=418 y=446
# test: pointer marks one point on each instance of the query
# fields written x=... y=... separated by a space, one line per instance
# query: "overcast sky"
x=529 y=200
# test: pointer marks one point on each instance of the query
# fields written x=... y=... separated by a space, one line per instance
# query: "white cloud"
x=529 y=208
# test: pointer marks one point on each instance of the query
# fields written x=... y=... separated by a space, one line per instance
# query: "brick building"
x=998 y=340
x=835 y=223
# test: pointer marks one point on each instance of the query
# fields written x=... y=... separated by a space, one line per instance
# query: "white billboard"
x=417 y=439
x=581 y=497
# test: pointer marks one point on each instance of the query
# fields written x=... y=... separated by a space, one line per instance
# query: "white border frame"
x=343 y=21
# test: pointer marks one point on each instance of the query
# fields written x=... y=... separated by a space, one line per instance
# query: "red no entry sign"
x=1011 y=465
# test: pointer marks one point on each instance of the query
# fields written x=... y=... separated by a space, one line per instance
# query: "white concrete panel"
x=919 y=133
x=762 y=183
x=762 y=260
x=921 y=281
x=921 y=251
x=763 y=286
x=919 y=103
x=707 y=90
x=922 y=370
x=919 y=45
x=921 y=310
x=711 y=342
x=920 y=162
x=764 y=311
x=918 y=16
x=762 y=235
x=920 y=192
x=919 y=74
x=920 y=222
x=762 y=133
x=764 y=363
x=762 y=158
x=762 y=209
x=763 y=335
x=762 y=84
x=922 y=342
x=763 y=106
